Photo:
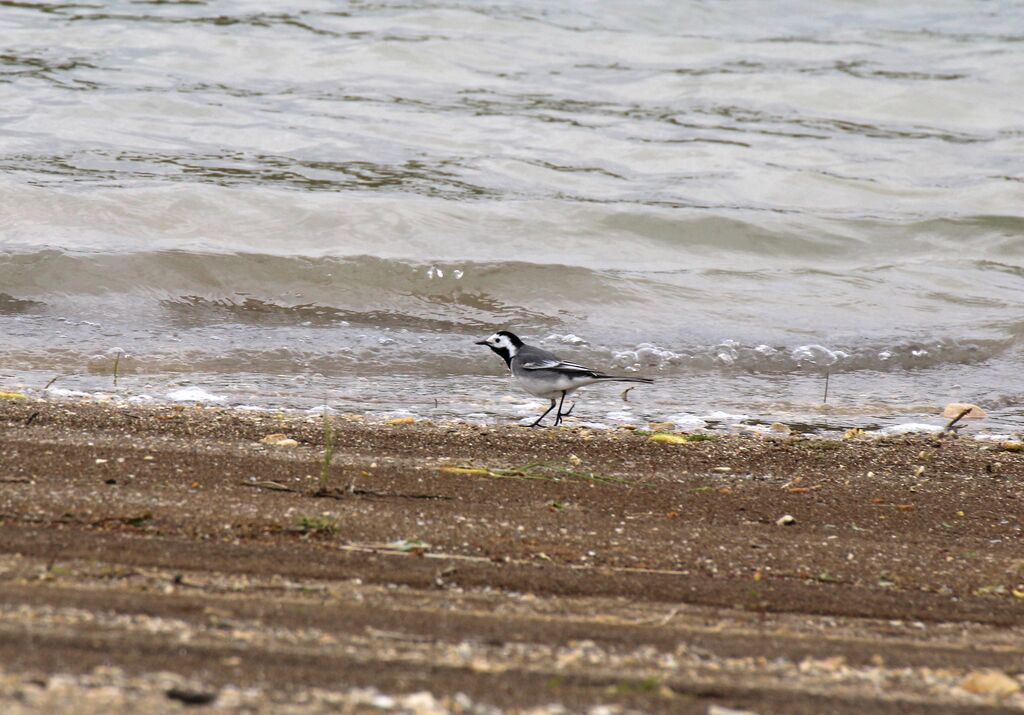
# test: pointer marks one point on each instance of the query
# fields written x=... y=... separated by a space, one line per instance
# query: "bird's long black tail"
x=623 y=378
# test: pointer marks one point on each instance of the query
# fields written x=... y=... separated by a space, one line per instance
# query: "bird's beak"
x=480 y=342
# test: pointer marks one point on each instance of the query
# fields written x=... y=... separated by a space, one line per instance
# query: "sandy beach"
x=156 y=557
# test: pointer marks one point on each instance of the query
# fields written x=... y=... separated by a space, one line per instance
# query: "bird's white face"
x=504 y=344
x=500 y=343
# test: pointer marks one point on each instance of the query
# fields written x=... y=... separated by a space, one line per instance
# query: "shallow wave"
x=353 y=349
x=635 y=233
x=9 y=305
x=884 y=357
x=439 y=179
x=951 y=305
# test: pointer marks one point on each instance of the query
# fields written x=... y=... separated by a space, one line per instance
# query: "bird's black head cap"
x=512 y=337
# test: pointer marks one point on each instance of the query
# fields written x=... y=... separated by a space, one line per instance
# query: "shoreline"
x=718 y=424
x=516 y=566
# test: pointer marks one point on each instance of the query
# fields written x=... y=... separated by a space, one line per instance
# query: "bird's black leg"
x=569 y=411
x=559 y=415
x=545 y=413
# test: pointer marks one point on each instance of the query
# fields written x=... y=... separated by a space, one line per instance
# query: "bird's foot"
x=560 y=415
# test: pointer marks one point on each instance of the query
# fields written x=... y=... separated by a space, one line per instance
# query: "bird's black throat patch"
x=504 y=354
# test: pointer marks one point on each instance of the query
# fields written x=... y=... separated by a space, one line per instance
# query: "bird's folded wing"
x=569 y=367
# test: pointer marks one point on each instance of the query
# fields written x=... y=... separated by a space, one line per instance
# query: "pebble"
x=669 y=438
x=990 y=682
x=279 y=440
x=955 y=408
x=786 y=520
x=722 y=710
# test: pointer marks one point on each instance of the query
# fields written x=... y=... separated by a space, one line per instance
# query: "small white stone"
x=721 y=710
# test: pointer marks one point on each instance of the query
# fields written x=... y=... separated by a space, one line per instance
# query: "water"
x=286 y=204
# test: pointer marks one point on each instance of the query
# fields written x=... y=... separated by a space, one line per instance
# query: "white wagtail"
x=544 y=374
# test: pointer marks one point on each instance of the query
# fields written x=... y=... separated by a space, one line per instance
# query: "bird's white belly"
x=550 y=386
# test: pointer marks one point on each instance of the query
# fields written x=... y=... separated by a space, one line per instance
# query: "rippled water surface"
x=279 y=204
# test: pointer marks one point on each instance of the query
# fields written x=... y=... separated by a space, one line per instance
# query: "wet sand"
x=154 y=556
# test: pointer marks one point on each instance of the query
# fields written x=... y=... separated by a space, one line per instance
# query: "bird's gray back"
x=531 y=353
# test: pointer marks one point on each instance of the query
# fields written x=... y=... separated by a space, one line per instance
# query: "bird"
x=544 y=374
